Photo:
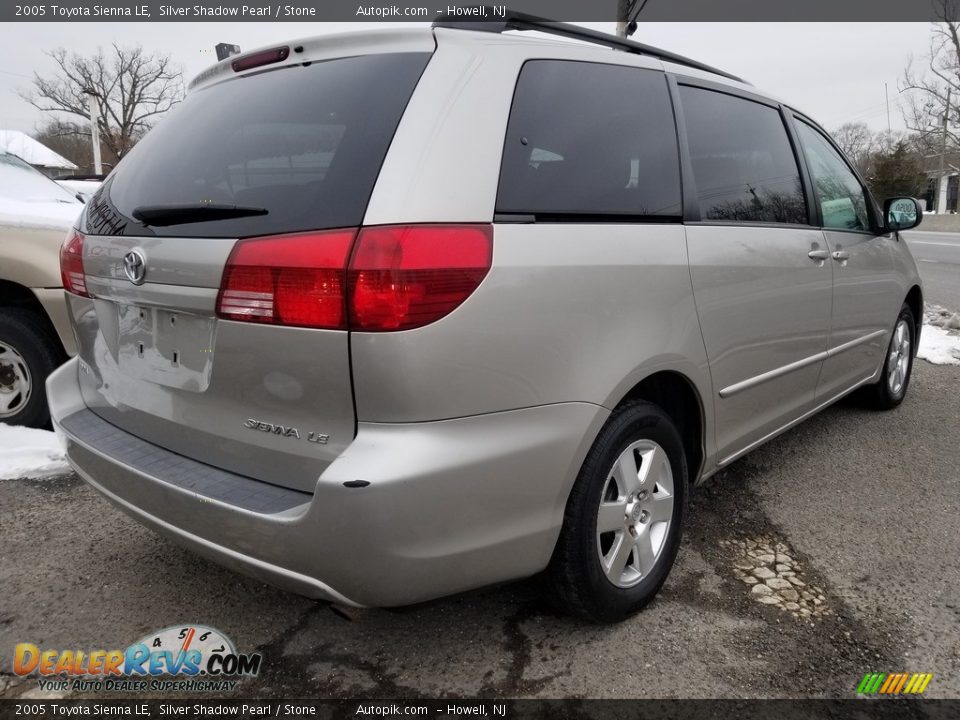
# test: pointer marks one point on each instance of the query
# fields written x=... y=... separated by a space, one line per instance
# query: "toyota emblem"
x=135 y=267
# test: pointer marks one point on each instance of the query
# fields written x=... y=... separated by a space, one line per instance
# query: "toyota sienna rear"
x=387 y=316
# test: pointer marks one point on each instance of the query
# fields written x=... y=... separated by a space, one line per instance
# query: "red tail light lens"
x=71 y=264
x=404 y=277
x=295 y=279
x=399 y=277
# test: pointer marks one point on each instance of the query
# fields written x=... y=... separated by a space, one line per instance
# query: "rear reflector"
x=399 y=277
x=71 y=264
x=288 y=280
x=264 y=57
x=404 y=277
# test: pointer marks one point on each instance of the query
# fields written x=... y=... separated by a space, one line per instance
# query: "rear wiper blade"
x=161 y=215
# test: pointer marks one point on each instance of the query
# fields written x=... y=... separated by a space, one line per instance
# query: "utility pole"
x=886 y=93
x=627 y=12
x=941 y=185
x=623 y=13
x=94 y=131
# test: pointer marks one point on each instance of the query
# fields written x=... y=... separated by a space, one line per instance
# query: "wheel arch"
x=914 y=301
x=15 y=295
x=678 y=396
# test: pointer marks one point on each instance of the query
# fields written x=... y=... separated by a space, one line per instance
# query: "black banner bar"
x=427 y=10
x=489 y=709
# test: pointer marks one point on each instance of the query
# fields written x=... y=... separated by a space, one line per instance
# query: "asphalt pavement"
x=938 y=257
x=866 y=503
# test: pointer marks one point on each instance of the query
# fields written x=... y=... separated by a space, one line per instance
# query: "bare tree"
x=857 y=140
x=927 y=89
x=68 y=139
x=131 y=89
x=72 y=140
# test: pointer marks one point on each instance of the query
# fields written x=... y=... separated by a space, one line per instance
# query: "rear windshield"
x=304 y=143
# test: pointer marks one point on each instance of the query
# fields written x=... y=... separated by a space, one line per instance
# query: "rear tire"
x=624 y=517
x=891 y=388
x=27 y=356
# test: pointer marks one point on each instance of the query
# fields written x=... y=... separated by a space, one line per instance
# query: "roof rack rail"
x=514 y=20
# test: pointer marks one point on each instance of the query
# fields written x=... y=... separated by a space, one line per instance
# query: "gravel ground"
x=863 y=505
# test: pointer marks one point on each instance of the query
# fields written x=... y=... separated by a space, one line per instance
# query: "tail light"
x=398 y=278
x=288 y=280
x=71 y=264
x=404 y=277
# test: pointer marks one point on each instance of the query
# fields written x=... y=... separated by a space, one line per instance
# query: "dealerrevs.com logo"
x=185 y=658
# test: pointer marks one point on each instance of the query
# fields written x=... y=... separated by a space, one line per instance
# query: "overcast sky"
x=833 y=71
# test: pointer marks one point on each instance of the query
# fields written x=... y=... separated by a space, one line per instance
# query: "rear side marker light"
x=264 y=57
x=71 y=264
x=377 y=279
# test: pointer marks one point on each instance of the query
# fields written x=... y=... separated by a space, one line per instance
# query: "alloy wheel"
x=898 y=362
x=636 y=509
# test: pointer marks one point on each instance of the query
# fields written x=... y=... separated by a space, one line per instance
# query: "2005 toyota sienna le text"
x=386 y=316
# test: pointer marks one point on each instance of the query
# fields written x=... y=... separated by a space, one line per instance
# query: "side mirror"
x=901 y=213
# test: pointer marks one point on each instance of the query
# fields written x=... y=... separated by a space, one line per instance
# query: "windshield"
x=20 y=182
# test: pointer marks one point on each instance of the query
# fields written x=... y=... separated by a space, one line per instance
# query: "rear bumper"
x=450 y=505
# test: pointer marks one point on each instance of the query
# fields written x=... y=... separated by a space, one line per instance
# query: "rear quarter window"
x=590 y=140
x=305 y=143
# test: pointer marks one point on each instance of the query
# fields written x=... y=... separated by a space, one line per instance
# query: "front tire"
x=27 y=356
x=891 y=388
x=624 y=517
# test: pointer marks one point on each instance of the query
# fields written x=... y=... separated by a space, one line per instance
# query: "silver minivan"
x=387 y=316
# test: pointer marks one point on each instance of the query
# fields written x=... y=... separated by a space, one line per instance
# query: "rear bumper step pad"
x=179 y=471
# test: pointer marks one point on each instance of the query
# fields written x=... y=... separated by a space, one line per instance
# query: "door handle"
x=818 y=256
x=841 y=256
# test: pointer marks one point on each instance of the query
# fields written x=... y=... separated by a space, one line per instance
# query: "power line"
x=865 y=111
x=867 y=115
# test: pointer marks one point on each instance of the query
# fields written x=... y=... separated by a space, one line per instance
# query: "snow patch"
x=40 y=214
x=31 y=151
x=939 y=346
x=29 y=453
x=85 y=188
